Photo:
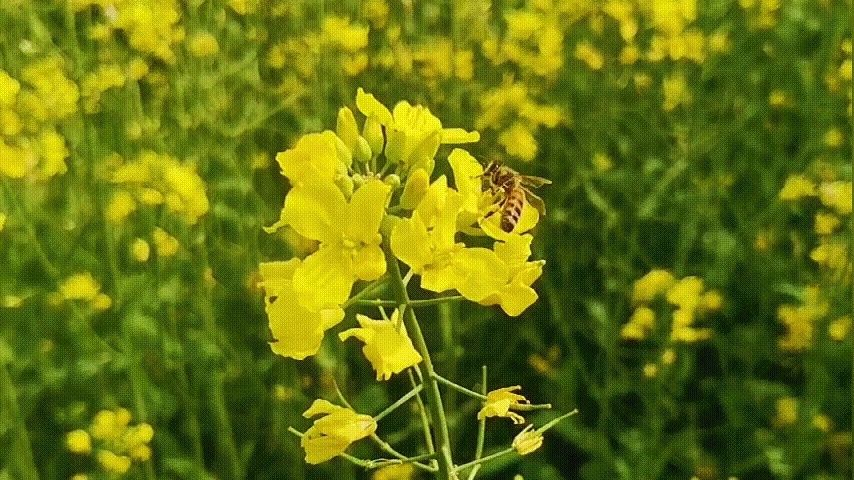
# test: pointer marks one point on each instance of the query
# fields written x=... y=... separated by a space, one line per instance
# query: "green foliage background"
x=693 y=190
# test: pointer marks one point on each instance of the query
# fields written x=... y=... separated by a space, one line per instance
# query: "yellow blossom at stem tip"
x=499 y=402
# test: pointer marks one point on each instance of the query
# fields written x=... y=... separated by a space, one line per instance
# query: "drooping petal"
x=325 y=278
x=315 y=210
x=365 y=212
x=297 y=330
x=319 y=449
x=387 y=347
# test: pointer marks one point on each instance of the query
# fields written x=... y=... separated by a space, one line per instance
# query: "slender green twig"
x=369 y=289
x=507 y=451
x=481 y=429
x=398 y=403
x=459 y=388
x=422 y=411
x=437 y=412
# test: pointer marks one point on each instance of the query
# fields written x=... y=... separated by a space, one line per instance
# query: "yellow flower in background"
x=787 y=411
x=499 y=402
x=686 y=293
x=349 y=238
x=404 y=471
x=2 y=221
x=651 y=285
x=676 y=92
x=796 y=187
x=838 y=329
x=203 y=44
x=826 y=223
x=297 y=330
x=836 y=195
x=331 y=434
x=113 y=463
x=527 y=441
x=140 y=250
x=165 y=244
x=387 y=346
x=80 y=286
x=518 y=140
x=78 y=441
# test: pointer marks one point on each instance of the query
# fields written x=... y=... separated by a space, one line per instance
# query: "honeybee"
x=511 y=190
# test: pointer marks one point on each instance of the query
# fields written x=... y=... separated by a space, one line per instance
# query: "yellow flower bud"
x=527 y=441
x=416 y=186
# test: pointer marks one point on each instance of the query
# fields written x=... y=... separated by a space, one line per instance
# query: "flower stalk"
x=434 y=397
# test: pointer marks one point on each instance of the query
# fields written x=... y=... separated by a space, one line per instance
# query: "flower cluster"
x=83 y=286
x=30 y=109
x=116 y=443
x=153 y=179
x=342 y=186
x=362 y=199
x=687 y=296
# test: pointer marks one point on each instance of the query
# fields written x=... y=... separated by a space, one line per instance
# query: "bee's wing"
x=534 y=182
x=535 y=202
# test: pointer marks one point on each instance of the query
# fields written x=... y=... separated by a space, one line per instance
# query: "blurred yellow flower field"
x=400 y=240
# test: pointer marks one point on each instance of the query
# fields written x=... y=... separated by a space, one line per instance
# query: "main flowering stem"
x=435 y=405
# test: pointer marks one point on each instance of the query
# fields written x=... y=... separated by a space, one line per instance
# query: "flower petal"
x=325 y=278
x=410 y=242
x=365 y=212
x=371 y=107
x=315 y=210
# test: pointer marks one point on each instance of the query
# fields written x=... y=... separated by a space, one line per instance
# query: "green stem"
x=458 y=388
x=412 y=303
x=434 y=397
x=475 y=463
x=369 y=289
x=390 y=450
x=425 y=422
x=398 y=403
x=481 y=429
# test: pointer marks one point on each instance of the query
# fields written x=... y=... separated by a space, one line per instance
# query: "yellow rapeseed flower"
x=140 y=250
x=297 y=331
x=527 y=441
x=796 y=187
x=787 y=411
x=113 y=463
x=387 y=346
x=499 y=403
x=165 y=244
x=838 y=329
x=651 y=285
x=836 y=195
x=331 y=434
x=80 y=286
x=203 y=44
x=826 y=223
x=78 y=441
